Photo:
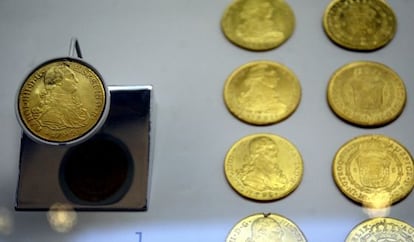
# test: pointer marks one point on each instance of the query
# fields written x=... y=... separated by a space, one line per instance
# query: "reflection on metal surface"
x=61 y=217
x=6 y=221
x=377 y=212
x=378 y=205
x=380 y=199
x=374 y=170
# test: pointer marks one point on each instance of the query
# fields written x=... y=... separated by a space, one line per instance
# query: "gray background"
x=177 y=46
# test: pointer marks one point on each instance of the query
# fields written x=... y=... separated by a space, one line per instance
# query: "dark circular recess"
x=96 y=172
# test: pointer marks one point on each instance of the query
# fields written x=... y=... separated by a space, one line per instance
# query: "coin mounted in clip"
x=103 y=161
x=63 y=100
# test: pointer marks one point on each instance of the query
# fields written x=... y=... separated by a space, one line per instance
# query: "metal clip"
x=74 y=48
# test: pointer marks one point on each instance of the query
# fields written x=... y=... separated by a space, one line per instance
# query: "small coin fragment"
x=258 y=24
x=61 y=101
x=366 y=93
x=266 y=228
x=381 y=229
x=262 y=92
x=263 y=167
x=374 y=170
x=360 y=25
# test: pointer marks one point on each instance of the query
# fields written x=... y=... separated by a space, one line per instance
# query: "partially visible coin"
x=366 y=93
x=382 y=229
x=267 y=228
x=62 y=217
x=263 y=167
x=62 y=101
x=258 y=24
x=360 y=25
x=262 y=92
x=374 y=170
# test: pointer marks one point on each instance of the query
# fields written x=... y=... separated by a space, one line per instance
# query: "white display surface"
x=178 y=47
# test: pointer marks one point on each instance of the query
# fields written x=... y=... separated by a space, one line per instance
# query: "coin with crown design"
x=360 y=25
x=382 y=229
x=366 y=93
x=374 y=170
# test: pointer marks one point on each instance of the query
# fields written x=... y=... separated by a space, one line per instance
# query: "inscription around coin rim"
x=290 y=93
x=229 y=23
x=286 y=149
x=394 y=89
x=243 y=227
x=31 y=83
x=380 y=227
x=343 y=174
x=331 y=21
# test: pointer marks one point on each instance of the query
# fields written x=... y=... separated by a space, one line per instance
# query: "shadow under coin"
x=96 y=172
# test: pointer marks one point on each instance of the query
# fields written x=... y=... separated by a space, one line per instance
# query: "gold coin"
x=382 y=229
x=360 y=25
x=262 y=92
x=374 y=170
x=258 y=24
x=61 y=100
x=266 y=228
x=263 y=167
x=366 y=93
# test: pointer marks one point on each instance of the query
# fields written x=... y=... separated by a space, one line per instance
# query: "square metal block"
x=110 y=171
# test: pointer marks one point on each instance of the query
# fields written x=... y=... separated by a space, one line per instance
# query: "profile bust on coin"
x=60 y=106
x=263 y=167
x=265 y=228
x=254 y=14
x=62 y=101
x=262 y=92
x=261 y=171
x=258 y=24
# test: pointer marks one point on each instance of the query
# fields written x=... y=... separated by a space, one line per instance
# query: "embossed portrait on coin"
x=60 y=106
x=360 y=20
x=266 y=230
x=367 y=91
x=261 y=171
x=374 y=167
x=260 y=92
x=257 y=24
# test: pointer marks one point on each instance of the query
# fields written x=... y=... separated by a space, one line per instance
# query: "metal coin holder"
x=106 y=169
